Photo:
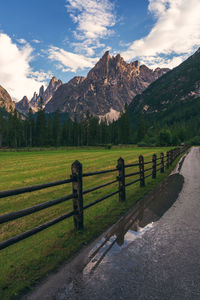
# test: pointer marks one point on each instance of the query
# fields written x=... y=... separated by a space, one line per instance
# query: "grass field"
x=24 y=263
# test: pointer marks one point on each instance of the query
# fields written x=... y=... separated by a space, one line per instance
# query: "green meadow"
x=25 y=263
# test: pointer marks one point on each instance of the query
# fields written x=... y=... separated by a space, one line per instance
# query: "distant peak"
x=41 y=91
x=53 y=80
x=118 y=57
x=136 y=64
x=25 y=99
x=106 y=55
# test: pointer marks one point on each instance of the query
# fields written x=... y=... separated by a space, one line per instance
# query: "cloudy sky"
x=64 y=38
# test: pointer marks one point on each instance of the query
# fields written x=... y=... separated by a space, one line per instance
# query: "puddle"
x=105 y=249
x=135 y=223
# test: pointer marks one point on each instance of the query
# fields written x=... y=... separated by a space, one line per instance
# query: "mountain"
x=107 y=88
x=172 y=98
x=45 y=95
x=6 y=103
x=23 y=105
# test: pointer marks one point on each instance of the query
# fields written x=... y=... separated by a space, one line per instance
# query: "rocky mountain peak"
x=45 y=95
x=101 y=69
x=25 y=100
x=110 y=84
x=53 y=80
x=106 y=56
x=117 y=57
x=23 y=105
x=41 y=91
x=51 y=89
x=35 y=95
x=6 y=102
x=136 y=64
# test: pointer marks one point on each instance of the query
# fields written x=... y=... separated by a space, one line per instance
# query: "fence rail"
x=77 y=195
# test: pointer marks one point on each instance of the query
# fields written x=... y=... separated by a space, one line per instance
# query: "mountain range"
x=164 y=96
x=108 y=86
x=44 y=96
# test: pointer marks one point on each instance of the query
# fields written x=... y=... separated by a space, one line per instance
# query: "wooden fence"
x=157 y=164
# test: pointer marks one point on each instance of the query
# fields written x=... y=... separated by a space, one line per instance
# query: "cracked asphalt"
x=161 y=261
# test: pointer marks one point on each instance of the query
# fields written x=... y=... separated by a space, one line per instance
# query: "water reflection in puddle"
x=107 y=248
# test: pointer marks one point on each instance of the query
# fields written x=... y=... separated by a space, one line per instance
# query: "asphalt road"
x=161 y=261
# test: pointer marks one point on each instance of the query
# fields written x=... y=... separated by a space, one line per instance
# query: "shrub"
x=165 y=137
x=194 y=141
x=108 y=146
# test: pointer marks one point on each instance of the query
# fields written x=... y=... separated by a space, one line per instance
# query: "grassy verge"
x=24 y=263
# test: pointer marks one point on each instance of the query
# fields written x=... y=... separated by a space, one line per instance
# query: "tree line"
x=47 y=130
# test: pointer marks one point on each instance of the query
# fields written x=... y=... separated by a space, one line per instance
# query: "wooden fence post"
x=121 y=179
x=173 y=155
x=162 y=169
x=154 y=166
x=167 y=164
x=170 y=157
x=141 y=170
x=77 y=195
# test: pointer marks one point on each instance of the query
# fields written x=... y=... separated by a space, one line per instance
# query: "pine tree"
x=41 y=126
x=56 y=129
x=141 y=128
x=31 y=128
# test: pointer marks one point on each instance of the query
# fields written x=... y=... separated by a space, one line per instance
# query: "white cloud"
x=176 y=33
x=41 y=76
x=69 y=61
x=36 y=41
x=21 y=41
x=16 y=75
x=94 y=19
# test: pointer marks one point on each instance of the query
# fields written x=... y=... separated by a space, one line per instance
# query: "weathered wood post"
x=170 y=157
x=141 y=170
x=167 y=164
x=173 y=155
x=154 y=166
x=121 y=179
x=77 y=194
x=162 y=168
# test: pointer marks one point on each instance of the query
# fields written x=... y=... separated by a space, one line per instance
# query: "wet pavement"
x=159 y=261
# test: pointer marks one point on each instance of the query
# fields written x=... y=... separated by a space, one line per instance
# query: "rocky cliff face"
x=6 y=102
x=51 y=89
x=65 y=91
x=108 y=86
x=45 y=95
x=23 y=105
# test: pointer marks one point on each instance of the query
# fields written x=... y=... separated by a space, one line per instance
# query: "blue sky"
x=42 y=38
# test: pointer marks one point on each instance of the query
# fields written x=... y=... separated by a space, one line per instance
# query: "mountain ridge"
x=178 y=85
x=171 y=104
x=110 y=84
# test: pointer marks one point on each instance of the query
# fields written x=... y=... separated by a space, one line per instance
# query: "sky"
x=65 y=38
